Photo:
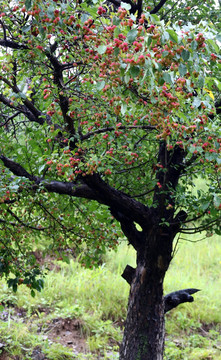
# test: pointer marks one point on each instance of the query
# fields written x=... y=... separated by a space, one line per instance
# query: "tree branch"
x=176 y=298
x=129 y=229
x=171 y=300
x=12 y=45
x=134 y=7
x=128 y=274
x=21 y=223
x=17 y=169
x=119 y=202
x=218 y=106
x=90 y=187
x=28 y=110
x=158 y=7
x=59 y=187
x=111 y=128
x=201 y=228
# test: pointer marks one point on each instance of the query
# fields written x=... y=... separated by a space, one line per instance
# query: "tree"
x=108 y=117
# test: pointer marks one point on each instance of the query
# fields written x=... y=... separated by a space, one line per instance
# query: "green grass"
x=198 y=265
x=98 y=298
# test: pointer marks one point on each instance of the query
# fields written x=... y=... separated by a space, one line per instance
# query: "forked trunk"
x=144 y=326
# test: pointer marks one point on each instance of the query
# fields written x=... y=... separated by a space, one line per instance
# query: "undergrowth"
x=98 y=299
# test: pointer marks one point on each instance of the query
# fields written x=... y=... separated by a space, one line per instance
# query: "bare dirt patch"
x=67 y=332
x=4 y=356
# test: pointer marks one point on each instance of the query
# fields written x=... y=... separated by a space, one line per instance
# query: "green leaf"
x=131 y=35
x=26 y=28
x=116 y=20
x=117 y=31
x=116 y=51
x=200 y=82
x=218 y=232
x=127 y=78
x=100 y=85
x=149 y=41
x=205 y=205
x=213 y=45
x=182 y=69
x=210 y=156
x=125 y=5
x=196 y=102
x=173 y=35
x=164 y=54
x=185 y=55
x=28 y=4
x=167 y=78
x=41 y=168
x=101 y=49
x=66 y=259
x=161 y=81
x=194 y=45
x=123 y=108
x=217 y=200
x=33 y=293
x=134 y=71
x=218 y=37
x=155 y=19
x=218 y=83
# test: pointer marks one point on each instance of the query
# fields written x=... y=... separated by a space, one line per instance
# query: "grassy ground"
x=79 y=314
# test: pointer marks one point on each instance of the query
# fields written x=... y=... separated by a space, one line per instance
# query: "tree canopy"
x=110 y=112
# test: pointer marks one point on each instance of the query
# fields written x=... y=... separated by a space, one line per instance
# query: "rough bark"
x=172 y=299
x=144 y=327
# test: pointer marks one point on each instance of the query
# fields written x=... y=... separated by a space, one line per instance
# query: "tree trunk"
x=144 y=326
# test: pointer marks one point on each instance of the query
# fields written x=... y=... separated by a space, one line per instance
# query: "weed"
x=98 y=299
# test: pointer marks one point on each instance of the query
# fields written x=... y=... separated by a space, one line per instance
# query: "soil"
x=67 y=332
x=4 y=356
x=45 y=261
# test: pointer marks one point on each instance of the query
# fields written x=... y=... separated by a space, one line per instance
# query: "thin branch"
x=199 y=228
x=146 y=193
x=10 y=118
x=21 y=223
x=175 y=247
x=163 y=17
x=158 y=7
x=122 y=127
x=193 y=241
x=27 y=103
x=115 y=2
x=28 y=109
x=132 y=168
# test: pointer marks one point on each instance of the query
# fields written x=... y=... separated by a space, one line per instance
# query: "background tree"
x=108 y=117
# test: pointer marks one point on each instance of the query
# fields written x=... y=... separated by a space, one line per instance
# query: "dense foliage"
x=87 y=91
x=109 y=114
